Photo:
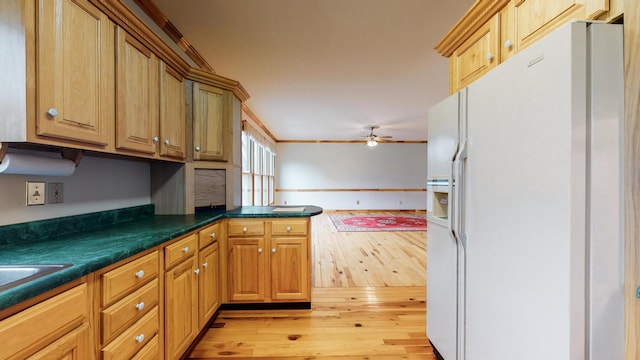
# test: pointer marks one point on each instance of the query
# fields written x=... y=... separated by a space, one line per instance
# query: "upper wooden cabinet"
x=172 y=113
x=211 y=123
x=494 y=30
x=138 y=91
x=75 y=73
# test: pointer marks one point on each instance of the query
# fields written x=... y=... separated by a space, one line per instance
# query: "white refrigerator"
x=524 y=204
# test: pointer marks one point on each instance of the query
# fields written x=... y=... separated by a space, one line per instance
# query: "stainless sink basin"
x=14 y=275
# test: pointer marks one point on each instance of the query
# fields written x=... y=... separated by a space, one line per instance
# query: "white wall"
x=352 y=166
x=98 y=184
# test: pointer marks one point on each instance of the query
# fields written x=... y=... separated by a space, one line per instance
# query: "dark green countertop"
x=93 y=241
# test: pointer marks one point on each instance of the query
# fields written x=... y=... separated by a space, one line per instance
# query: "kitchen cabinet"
x=137 y=118
x=57 y=328
x=211 y=123
x=172 y=113
x=129 y=316
x=268 y=260
x=209 y=277
x=75 y=73
x=494 y=30
x=181 y=295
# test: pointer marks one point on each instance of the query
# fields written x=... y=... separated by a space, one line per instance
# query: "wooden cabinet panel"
x=75 y=72
x=122 y=280
x=138 y=91
x=245 y=227
x=211 y=125
x=209 y=235
x=172 y=113
x=181 y=310
x=133 y=339
x=245 y=267
x=289 y=269
x=475 y=56
x=151 y=351
x=73 y=346
x=31 y=330
x=535 y=18
x=507 y=33
x=290 y=226
x=209 y=279
x=180 y=250
x=125 y=312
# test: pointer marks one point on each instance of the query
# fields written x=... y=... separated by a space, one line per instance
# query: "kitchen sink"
x=14 y=275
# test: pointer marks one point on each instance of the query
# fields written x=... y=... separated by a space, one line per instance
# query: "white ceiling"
x=324 y=69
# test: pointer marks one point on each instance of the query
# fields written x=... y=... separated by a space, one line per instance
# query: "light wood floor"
x=368 y=302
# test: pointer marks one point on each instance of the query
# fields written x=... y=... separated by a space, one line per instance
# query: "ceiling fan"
x=372 y=139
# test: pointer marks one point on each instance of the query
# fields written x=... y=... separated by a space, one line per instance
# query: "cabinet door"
x=475 y=56
x=209 y=283
x=289 y=269
x=245 y=267
x=181 y=309
x=73 y=346
x=507 y=32
x=137 y=95
x=211 y=128
x=172 y=113
x=535 y=18
x=75 y=72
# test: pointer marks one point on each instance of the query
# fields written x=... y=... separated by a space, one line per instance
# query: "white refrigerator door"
x=442 y=250
x=525 y=204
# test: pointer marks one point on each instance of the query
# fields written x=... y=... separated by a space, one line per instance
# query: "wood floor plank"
x=368 y=303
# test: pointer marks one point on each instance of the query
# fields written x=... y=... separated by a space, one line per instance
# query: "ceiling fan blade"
x=385 y=137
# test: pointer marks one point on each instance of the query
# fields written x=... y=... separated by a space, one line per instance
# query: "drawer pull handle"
x=53 y=112
x=140 y=274
x=288 y=228
x=140 y=305
x=185 y=249
x=140 y=338
x=156 y=139
x=213 y=235
x=197 y=148
x=205 y=264
x=508 y=44
x=273 y=250
x=244 y=229
x=167 y=142
x=196 y=271
x=259 y=250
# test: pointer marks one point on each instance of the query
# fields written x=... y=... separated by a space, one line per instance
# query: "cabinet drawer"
x=180 y=250
x=124 y=279
x=134 y=338
x=126 y=311
x=149 y=351
x=209 y=235
x=245 y=227
x=289 y=227
x=30 y=330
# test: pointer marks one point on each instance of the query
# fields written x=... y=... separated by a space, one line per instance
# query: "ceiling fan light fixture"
x=371 y=143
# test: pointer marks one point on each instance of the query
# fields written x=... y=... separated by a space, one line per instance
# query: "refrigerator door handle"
x=459 y=175
x=452 y=201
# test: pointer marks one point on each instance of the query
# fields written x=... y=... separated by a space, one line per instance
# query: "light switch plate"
x=55 y=192
x=35 y=193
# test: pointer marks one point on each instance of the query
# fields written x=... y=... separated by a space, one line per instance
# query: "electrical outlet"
x=55 y=193
x=35 y=193
x=357 y=202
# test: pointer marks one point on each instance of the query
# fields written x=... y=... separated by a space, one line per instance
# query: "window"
x=258 y=170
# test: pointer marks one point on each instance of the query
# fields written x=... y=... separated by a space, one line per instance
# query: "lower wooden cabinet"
x=268 y=260
x=209 y=283
x=57 y=328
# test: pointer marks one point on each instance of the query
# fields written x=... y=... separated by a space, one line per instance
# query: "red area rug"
x=346 y=223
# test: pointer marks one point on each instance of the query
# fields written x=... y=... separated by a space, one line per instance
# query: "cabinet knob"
x=213 y=235
x=273 y=250
x=156 y=139
x=259 y=250
x=489 y=56
x=166 y=142
x=140 y=338
x=185 y=249
x=196 y=271
x=508 y=44
x=197 y=148
x=244 y=229
x=288 y=228
x=53 y=112
x=140 y=305
x=140 y=274
x=205 y=264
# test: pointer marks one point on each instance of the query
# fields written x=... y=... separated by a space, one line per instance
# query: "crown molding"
x=206 y=77
x=256 y=120
x=479 y=13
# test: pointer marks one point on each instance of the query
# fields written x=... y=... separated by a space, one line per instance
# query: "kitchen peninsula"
x=134 y=274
